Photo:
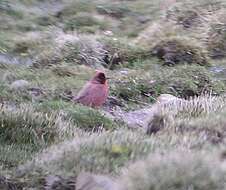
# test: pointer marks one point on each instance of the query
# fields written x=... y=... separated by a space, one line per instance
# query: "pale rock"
x=88 y=181
x=19 y=85
x=166 y=98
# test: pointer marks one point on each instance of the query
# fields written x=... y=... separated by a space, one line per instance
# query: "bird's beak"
x=108 y=78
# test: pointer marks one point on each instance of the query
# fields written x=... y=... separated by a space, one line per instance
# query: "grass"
x=85 y=118
x=105 y=153
x=182 y=81
x=82 y=20
x=178 y=51
x=25 y=126
x=46 y=138
x=175 y=171
x=195 y=114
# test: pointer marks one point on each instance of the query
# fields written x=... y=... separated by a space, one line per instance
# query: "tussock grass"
x=72 y=49
x=201 y=115
x=176 y=170
x=212 y=126
x=120 y=53
x=15 y=154
x=195 y=107
x=24 y=132
x=178 y=50
x=104 y=153
x=25 y=126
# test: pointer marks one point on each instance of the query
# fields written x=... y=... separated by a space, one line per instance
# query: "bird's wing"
x=83 y=92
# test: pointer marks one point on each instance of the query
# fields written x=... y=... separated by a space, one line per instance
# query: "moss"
x=51 y=106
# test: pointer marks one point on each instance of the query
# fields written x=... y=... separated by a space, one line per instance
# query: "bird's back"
x=92 y=94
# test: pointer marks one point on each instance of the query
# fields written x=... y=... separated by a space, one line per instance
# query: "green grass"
x=83 y=117
x=181 y=81
x=25 y=126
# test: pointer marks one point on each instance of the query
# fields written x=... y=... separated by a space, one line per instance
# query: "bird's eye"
x=102 y=76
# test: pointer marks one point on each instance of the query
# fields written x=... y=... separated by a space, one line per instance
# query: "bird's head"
x=99 y=77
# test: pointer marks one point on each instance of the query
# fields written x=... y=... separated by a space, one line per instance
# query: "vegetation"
x=50 y=49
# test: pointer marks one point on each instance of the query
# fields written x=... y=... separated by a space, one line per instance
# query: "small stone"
x=143 y=19
x=108 y=33
x=164 y=98
x=88 y=181
x=19 y=85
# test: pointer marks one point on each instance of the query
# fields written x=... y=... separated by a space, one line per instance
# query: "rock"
x=88 y=181
x=165 y=98
x=53 y=182
x=143 y=19
x=148 y=118
x=136 y=118
x=19 y=85
x=108 y=33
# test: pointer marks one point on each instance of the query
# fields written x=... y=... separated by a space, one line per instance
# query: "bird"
x=95 y=91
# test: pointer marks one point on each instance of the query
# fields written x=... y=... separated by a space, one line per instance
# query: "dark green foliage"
x=177 y=51
x=182 y=81
x=89 y=119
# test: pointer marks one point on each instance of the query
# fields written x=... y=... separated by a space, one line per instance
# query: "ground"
x=163 y=125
